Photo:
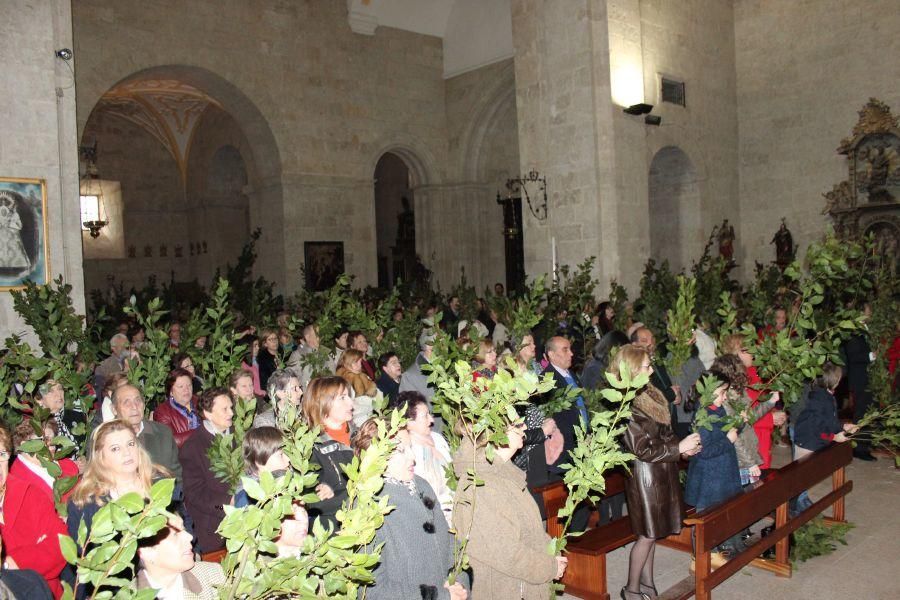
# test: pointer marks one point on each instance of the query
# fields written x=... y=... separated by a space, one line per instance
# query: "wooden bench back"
x=721 y=522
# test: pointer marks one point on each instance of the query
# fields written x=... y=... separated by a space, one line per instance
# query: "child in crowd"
x=818 y=425
x=713 y=475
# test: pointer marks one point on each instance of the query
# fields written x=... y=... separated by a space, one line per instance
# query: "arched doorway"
x=674 y=205
x=395 y=225
x=199 y=169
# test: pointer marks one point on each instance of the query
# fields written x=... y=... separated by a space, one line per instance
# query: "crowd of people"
x=137 y=440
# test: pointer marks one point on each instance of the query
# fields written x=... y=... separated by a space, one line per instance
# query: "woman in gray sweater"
x=418 y=548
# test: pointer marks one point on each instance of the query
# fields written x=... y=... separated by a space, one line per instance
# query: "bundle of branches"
x=330 y=564
x=680 y=324
x=222 y=355
x=148 y=370
x=107 y=557
x=659 y=290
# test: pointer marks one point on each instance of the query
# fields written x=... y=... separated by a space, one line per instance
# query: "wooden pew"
x=717 y=524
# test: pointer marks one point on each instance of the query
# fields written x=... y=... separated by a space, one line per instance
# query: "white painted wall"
x=479 y=33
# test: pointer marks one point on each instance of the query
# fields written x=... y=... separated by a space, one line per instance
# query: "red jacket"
x=23 y=472
x=31 y=529
x=179 y=424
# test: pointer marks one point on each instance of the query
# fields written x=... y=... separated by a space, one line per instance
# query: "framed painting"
x=24 y=254
x=323 y=264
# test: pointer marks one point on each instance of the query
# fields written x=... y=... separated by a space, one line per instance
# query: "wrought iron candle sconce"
x=520 y=185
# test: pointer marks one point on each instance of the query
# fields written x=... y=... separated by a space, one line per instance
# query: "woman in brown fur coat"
x=654 y=494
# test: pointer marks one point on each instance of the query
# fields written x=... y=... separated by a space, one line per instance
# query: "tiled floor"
x=867 y=568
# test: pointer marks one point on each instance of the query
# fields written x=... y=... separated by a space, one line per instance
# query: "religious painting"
x=24 y=252
x=323 y=264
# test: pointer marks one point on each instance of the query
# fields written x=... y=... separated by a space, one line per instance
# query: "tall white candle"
x=553 y=256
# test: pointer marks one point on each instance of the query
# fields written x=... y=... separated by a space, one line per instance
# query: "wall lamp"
x=639 y=109
x=64 y=53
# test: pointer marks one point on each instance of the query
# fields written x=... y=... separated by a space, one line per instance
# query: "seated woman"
x=430 y=449
x=166 y=564
x=183 y=360
x=418 y=549
x=284 y=391
x=240 y=384
x=118 y=466
x=264 y=451
x=28 y=468
x=204 y=493
x=329 y=406
x=350 y=368
x=29 y=524
x=268 y=358
x=391 y=370
x=179 y=411
x=51 y=397
x=485 y=363
x=250 y=362
x=503 y=522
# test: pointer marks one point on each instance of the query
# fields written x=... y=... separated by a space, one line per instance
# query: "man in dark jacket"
x=857 y=356
x=559 y=352
x=155 y=438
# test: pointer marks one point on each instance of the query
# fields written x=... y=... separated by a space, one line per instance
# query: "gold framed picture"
x=24 y=249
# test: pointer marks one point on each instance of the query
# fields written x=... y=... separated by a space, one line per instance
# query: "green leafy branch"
x=680 y=325
x=106 y=559
x=226 y=453
x=151 y=366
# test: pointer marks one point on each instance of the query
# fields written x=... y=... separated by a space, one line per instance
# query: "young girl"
x=713 y=474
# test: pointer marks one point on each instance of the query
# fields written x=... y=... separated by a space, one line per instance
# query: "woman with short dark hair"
x=204 y=493
x=179 y=411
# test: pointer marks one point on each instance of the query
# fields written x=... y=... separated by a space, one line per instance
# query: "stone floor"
x=868 y=567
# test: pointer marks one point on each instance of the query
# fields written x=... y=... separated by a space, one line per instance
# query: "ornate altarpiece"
x=868 y=201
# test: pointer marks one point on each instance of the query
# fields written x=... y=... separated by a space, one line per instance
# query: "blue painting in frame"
x=24 y=254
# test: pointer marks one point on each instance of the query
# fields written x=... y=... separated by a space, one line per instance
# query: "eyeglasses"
x=4 y=455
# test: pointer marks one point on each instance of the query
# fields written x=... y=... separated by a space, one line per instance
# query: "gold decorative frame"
x=30 y=196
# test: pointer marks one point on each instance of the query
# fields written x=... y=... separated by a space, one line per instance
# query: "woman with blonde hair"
x=118 y=466
x=655 y=505
x=350 y=368
x=485 y=359
x=328 y=405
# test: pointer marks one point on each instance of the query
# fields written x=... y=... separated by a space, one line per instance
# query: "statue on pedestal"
x=726 y=242
x=784 y=245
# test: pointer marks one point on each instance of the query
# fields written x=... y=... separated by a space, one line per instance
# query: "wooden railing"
x=714 y=526
x=586 y=574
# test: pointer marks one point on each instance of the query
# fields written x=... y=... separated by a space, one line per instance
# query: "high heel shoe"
x=640 y=595
x=651 y=593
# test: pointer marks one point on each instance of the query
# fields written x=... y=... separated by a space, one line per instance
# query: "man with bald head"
x=156 y=438
x=660 y=379
x=120 y=351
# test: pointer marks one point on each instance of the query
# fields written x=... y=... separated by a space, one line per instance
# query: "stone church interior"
x=151 y=146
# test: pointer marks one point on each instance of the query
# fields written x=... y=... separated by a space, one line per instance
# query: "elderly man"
x=115 y=363
x=660 y=379
x=309 y=343
x=559 y=353
x=414 y=379
x=156 y=438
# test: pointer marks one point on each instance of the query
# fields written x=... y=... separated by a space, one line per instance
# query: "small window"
x=673 y=91
x=90 y=210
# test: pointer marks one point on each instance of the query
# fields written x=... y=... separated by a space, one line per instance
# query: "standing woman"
x=204 y=493
x=329 y=406
x=503 y=522
x=655 y=506
x=29 y=524
x=418 y=549
x=430 y=450
x=179 y=411
x=267 y=359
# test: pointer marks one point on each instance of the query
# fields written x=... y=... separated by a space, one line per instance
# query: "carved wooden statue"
x=726 y=242
x=784 y=245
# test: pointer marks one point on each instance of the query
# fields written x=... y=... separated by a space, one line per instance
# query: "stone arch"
x=414 y=153
x=265 y=188
x=493 y=103
x=674 y=207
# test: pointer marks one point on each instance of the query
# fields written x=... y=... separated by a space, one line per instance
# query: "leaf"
x=68 y=548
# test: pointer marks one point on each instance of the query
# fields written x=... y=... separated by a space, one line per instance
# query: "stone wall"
x=804 y=69
x=37 y=130
x=318 y=104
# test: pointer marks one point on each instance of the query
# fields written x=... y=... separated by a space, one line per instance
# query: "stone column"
x=566 y=130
